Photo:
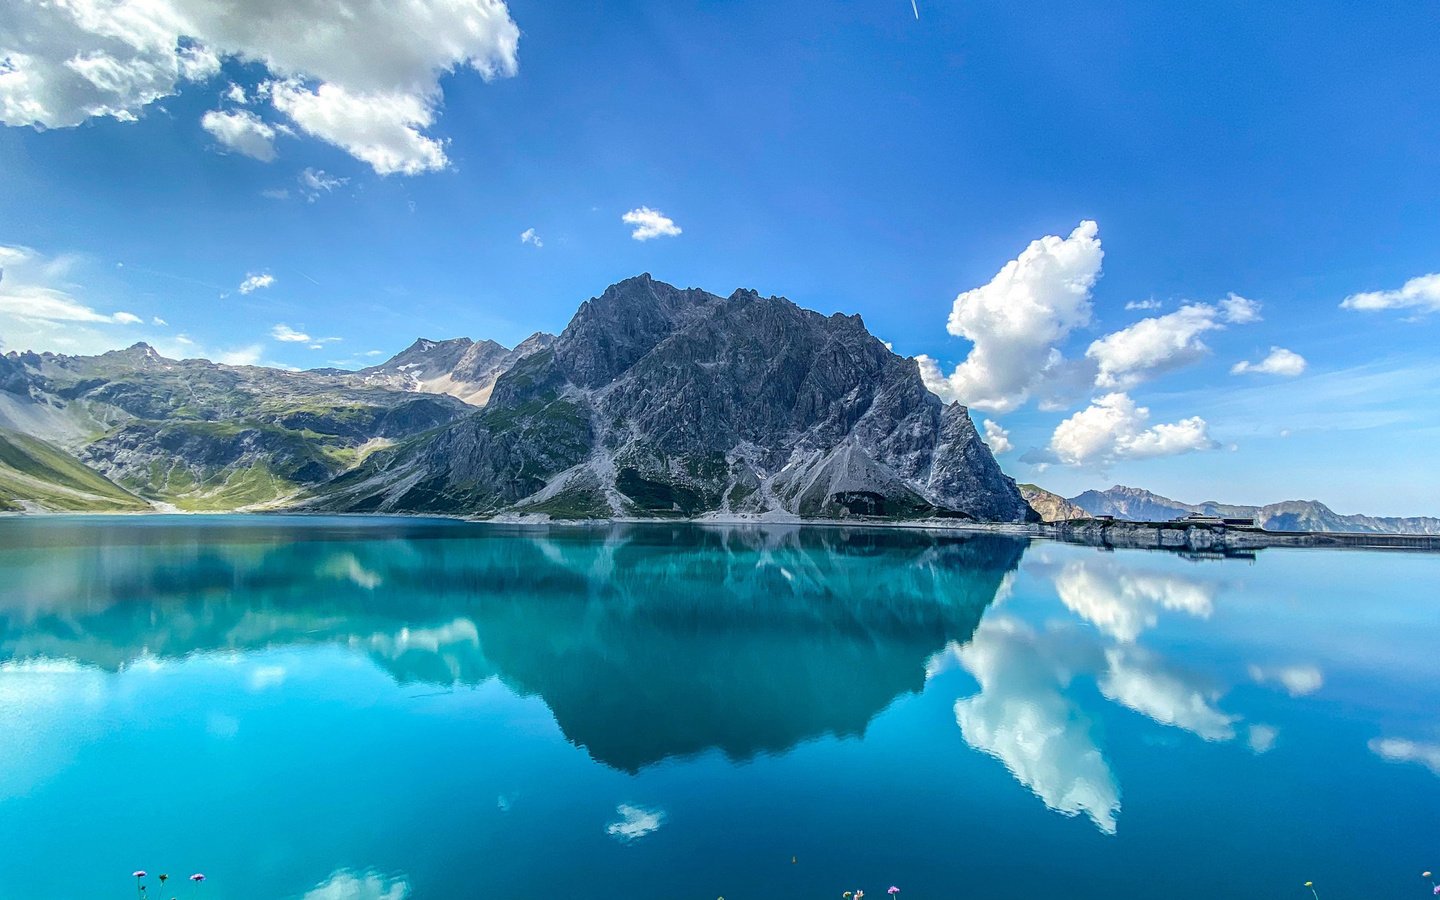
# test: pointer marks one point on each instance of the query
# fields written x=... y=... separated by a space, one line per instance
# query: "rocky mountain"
x=660 y=401
x=1141 y=505
x=198 y=435
x=1134 y=504
x=1051 y=507
x=460 y=367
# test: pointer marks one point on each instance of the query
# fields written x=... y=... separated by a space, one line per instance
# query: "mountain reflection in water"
x=650 y=643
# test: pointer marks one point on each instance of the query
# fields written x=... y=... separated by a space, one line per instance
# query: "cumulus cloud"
x=1286 y=363
x=1022 y=718
x=997 y=437
x=1401 y=750
x=384 y=129
x=1123 y=602
x=1155 y=345
x=242 y=131
x=1015 y=321
x=650 y=223
x=72 y=61
x=1113 y=428
x=635 y=822
x=349 y=885
x=1139 y=680
x=528 y=236
x=254 y=283
x=1298 y=680
x=286 y=334
x=1422 y=294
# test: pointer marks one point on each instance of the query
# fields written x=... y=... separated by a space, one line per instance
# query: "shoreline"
x=1181 y=537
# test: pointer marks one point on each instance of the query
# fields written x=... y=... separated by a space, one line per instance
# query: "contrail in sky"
x=917 y=10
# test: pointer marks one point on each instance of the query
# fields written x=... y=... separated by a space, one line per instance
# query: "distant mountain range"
x=1136 y=504
x=654 y=401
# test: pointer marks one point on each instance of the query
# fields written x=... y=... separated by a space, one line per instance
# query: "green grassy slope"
x=35 y=474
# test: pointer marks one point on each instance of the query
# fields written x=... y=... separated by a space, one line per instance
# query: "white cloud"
x=383 y=129
x=255 y=282
x=650 y=223
x=283 y=332
x=68 y=62
x=314 y=182
x=1112 y=427
x=635 y=822
x=997 y=437
x=1282 y=362
x=528 y=236
x=39 y=309
x=1262 y=738
x=1123 y=602
x=1298 y=680
x=1022 y=718
x=1137 y=679
x=1017 y=319
x=157 y=321
x=236 y=94
x=1422 y=293
x=1143 y=305
x=241 y=131
x=1402 y=750
x=1155 y=345
x=1240 y=310
x=347 y=885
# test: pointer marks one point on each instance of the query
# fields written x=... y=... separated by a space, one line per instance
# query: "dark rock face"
x=662 y=401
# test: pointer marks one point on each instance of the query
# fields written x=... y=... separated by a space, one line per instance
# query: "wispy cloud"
x=635 y=822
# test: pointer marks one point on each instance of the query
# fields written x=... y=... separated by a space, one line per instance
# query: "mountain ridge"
x=655 y=401
x=1138 y=504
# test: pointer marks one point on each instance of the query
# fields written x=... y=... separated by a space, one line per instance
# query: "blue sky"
x=848 y=156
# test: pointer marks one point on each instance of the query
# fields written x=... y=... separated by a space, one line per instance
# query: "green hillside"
x=34 y=474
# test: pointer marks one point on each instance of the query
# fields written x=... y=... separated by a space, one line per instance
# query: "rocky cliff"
x=661 y=401
x=1050 y=507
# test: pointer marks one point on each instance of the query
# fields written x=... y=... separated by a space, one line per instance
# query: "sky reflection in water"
x=336 y=708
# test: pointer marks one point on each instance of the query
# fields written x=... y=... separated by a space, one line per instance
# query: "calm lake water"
x=384 y=710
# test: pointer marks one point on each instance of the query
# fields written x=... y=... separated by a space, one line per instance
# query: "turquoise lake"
x=380 y=709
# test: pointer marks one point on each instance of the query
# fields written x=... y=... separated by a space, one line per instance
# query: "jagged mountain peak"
x=657 y=400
